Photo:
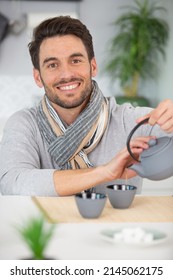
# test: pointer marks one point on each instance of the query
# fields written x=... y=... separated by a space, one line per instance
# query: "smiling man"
x=75 y=139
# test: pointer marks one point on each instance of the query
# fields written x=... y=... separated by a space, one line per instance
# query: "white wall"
x=14 y=56
x=98 y=16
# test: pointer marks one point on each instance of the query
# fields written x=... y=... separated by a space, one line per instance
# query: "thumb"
x=143 y=118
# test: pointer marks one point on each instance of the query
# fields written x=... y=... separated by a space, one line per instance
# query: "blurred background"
x=17 y=86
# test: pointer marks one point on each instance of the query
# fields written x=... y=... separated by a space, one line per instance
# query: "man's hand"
x=161 y=115
x=117 y=168
x=68 y=182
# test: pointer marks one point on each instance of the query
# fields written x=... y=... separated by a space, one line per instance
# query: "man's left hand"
x=161 y=115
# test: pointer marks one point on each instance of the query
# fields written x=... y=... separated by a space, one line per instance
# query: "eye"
x=53 y=65
x=76 y=61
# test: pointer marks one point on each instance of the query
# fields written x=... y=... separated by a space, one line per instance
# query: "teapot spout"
x=138 y=169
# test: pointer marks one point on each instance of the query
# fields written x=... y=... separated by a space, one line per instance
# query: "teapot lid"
x=155 y=146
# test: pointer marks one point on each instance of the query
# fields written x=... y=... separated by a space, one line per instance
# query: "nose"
x=65 y=71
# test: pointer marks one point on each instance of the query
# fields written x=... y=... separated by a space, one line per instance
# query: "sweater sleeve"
x=20 y=171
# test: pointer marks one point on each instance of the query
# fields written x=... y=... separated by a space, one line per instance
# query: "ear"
x=93 y=67
x=37 y=78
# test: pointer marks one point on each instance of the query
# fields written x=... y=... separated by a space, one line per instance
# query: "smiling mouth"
x=68 y=87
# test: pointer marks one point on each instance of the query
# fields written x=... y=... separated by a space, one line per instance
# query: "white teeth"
x=69 y=87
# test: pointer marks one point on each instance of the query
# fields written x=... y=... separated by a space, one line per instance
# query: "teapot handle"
x=130 y=136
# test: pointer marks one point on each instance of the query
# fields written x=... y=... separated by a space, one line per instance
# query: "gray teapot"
x=156 y=163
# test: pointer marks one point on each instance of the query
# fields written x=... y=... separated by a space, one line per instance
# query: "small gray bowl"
x=121 y=196
x=90 y=205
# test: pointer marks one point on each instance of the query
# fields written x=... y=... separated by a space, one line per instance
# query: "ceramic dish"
x=135 y=236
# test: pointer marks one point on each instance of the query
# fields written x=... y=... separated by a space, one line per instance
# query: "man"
x=76 y=138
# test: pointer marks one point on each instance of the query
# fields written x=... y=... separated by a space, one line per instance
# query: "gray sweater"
x=26 y=167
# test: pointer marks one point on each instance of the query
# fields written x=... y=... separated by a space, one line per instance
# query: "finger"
x=167 y=126
x=141 y=142
x=136 y=153
x=162 y=113
x=166 y=119
x=127 y=158
x=170 y=130
x=143 y=118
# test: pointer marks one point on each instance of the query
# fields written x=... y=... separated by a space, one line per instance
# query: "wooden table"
x=143 y=209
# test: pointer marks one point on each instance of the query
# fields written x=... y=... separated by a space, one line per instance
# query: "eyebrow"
x=48 y=59
x=76 y=54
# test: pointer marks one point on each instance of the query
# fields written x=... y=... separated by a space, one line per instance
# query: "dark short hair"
x=59 y=26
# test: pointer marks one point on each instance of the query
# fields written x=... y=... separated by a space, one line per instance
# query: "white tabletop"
x=75 y=241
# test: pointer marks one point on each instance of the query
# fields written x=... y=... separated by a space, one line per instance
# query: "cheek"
x=87 y=73
x=49 y=79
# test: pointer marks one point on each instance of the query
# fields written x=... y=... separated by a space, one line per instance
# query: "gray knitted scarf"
x=63 y=147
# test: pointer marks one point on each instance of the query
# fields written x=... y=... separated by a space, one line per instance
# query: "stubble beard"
x=85 y=94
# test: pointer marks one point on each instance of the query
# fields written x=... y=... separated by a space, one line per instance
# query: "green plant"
x=36 y=235
x=138 y=44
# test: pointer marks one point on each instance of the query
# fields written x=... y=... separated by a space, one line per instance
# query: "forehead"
x=61 y=46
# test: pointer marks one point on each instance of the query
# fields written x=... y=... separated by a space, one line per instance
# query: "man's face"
x=65 y=71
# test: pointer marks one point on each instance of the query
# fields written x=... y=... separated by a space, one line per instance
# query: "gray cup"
x=90 y=205
x=121 y=196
